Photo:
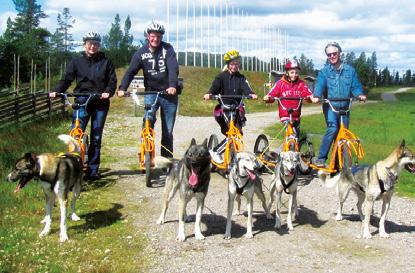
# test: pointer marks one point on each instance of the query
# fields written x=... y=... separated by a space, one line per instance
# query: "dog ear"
x=205 y=142
x=30 y=157
x=402 y=143
x=192 y=142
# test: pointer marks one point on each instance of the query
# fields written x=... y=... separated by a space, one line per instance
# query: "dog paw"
x=249 y=236
x=236 y=212
x=290 y=228
x=44 y=233
x=339 y=217
x=199 y=236
x=227 y=236
x=277 y=226
x=367 y=235
x=44 y=220
x=63 y=238
x=75 y=217
x=384 y=234
x=181 y=237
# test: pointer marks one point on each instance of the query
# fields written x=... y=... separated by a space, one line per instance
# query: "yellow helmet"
x=231 y=55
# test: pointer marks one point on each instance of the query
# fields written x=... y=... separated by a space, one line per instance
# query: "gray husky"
x=243 y=180
x=285 y=179
x=58 y=174
x=372 y=183
x=191 y=176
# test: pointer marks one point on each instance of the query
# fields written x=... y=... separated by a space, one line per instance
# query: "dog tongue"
x=193 y=179
x=251 y=175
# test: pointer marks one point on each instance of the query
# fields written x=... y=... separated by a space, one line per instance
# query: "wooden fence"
x=21 y=107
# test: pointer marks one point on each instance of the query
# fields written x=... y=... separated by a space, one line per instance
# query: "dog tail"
x=163 y=162
x=72 y=144
x=329 y=182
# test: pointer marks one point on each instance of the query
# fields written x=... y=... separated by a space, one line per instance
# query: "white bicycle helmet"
x=92 y=36
x=155 y=27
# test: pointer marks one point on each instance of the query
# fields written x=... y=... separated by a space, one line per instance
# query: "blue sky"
x=386 y=27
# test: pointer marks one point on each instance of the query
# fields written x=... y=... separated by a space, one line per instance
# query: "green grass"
x=380 y=126
x=103 y=241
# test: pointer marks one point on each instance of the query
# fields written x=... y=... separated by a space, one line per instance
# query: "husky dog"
x=285 y=179
x=372 y=183
x=243 y=180
x=58 y=174
x=190 y=175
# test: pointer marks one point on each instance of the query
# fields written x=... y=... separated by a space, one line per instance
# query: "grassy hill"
x=197 y=81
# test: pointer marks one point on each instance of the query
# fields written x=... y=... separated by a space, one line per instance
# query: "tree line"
x=33 y=44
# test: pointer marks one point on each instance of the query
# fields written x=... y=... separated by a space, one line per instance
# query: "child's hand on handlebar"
x=254 y=96
x=105 y=95
x=314 y=99
x=206 y=96
x=52 y=95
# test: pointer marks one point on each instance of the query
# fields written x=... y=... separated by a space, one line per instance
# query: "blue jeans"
x=97 y=111
x=168 y=109
x=333 y=125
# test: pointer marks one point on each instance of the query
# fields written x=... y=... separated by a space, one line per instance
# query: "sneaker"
x=319 y=162
x=216 y=157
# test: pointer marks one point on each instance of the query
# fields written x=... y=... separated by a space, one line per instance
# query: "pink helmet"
x=291 y=65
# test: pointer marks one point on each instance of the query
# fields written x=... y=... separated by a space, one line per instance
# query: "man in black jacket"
x=93 y=73
x=158 y=61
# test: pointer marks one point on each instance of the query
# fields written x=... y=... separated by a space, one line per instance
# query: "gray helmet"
x=155 y=27
x=92 y=36
x=335 y=44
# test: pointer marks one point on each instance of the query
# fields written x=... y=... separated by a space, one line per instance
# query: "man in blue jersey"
x=158 y=61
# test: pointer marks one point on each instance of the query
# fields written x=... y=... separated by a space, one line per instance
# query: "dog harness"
x=286 y=186
x=390 y=177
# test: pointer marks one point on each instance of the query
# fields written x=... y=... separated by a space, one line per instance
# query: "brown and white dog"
x=57 y=175
x=372 y=183
x=191 y=176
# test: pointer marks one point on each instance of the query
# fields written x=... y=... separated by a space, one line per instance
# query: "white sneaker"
x=216 y=157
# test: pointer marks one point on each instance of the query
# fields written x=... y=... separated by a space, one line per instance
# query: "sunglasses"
x=333 y=54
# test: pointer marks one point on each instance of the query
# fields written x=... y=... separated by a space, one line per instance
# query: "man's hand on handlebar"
x=314 y=99
x=362 y=98
x=171 y=90
x=253 y=96
x=52 y=95
x=120 y=93
x=206 y=96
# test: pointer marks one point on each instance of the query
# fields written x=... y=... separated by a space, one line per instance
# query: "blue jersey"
x=160 y=68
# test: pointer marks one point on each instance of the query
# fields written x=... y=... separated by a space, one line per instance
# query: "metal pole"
x=168 y=21
x=208 y=33
x=187 y=18
x=201 y=33
x=194 y=34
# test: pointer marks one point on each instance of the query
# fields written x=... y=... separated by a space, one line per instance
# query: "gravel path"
x=317 y=244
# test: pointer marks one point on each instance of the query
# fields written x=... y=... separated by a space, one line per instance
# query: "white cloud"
x=384 y=26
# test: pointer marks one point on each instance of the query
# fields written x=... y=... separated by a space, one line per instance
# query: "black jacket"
x=92 y=74
x=160 y=68
x=230 y=84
